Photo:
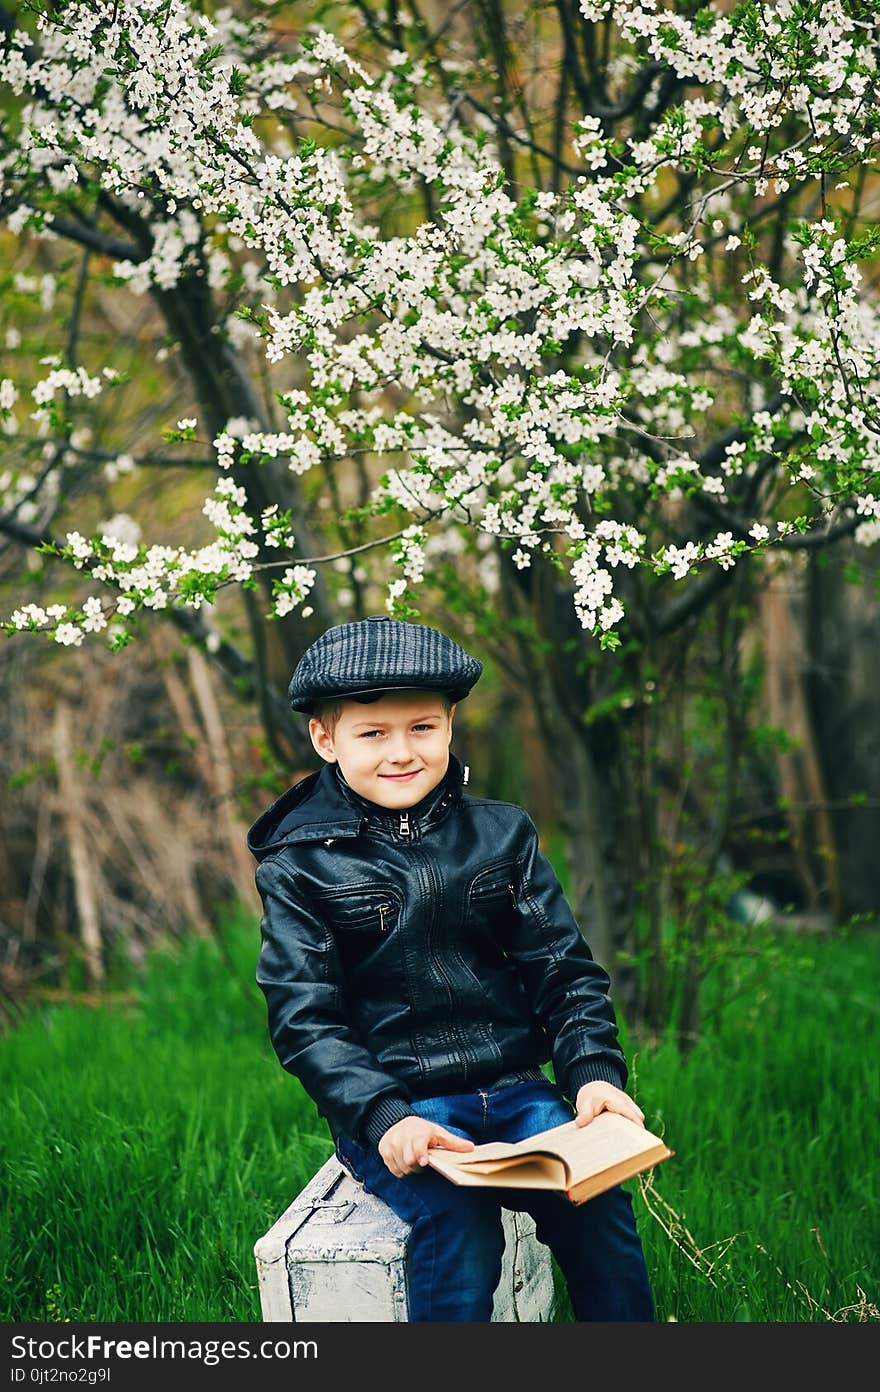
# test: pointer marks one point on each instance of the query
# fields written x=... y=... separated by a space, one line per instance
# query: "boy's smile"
x=392 y=751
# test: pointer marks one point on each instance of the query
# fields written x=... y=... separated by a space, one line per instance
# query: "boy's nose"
x=398 y=751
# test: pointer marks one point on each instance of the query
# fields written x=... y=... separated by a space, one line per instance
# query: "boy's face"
x=392 y=751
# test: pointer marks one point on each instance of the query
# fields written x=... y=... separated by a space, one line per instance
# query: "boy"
x=420 y=962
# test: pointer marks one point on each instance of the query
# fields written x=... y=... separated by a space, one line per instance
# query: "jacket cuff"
x=383 y=1114
x=599 y=1071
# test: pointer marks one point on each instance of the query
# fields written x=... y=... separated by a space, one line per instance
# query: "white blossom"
x=433 y=351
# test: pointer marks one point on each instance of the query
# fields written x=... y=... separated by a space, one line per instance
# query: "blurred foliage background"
x=720 y=769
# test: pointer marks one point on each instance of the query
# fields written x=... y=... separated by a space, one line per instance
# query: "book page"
x=550 y=1142
x=607 y=1140
x=542 y=1172
x=591 y=1185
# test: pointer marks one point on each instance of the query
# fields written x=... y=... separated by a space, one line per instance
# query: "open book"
x=579 y=1161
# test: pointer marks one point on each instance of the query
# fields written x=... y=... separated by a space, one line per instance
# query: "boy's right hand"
x=404 y=1146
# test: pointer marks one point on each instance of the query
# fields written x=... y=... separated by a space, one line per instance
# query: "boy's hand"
x=404 y=1146
x=594 y=1098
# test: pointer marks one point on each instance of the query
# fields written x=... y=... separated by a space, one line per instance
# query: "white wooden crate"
x=339 y=1255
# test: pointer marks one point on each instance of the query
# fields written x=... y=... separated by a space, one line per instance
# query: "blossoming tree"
x=593 y=338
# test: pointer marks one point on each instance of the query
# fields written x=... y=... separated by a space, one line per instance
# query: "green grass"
x=776 y=1128
x=146 y=1147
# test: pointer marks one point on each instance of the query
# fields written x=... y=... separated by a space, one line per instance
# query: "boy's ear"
x=322 y=740
x=451 y=714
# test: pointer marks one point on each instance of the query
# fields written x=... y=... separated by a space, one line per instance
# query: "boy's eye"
x=366 y=734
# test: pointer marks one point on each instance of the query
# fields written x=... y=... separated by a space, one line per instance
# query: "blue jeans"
x=456 y=1234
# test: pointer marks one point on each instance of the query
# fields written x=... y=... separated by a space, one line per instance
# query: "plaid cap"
x=378 y=654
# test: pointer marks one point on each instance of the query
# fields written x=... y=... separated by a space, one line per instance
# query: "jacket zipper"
x=404 y=824
x=456 y=1036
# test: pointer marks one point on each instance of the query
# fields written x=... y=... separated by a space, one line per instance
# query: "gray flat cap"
x=378 y=654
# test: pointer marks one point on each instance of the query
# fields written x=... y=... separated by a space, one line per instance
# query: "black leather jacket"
x=410 y=954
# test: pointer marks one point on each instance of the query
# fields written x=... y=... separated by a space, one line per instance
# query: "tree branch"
x=84 y=234
x=243 y=676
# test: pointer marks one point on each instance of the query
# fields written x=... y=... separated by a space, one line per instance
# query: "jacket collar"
x=322 y=807
x=421 y=815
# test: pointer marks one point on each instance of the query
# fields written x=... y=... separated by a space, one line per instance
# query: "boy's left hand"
x=594 y=1098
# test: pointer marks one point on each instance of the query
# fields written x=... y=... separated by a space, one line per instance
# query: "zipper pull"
x=404 y=824
x=381 y=918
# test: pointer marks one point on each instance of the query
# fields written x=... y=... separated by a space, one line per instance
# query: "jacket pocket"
x=492 y=888
x=368 y=910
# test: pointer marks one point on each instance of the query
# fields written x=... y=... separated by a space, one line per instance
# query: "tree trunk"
x=842 y=626
x=82 y=868
x=589 y=765
x=815 y=851
x=224 y=392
